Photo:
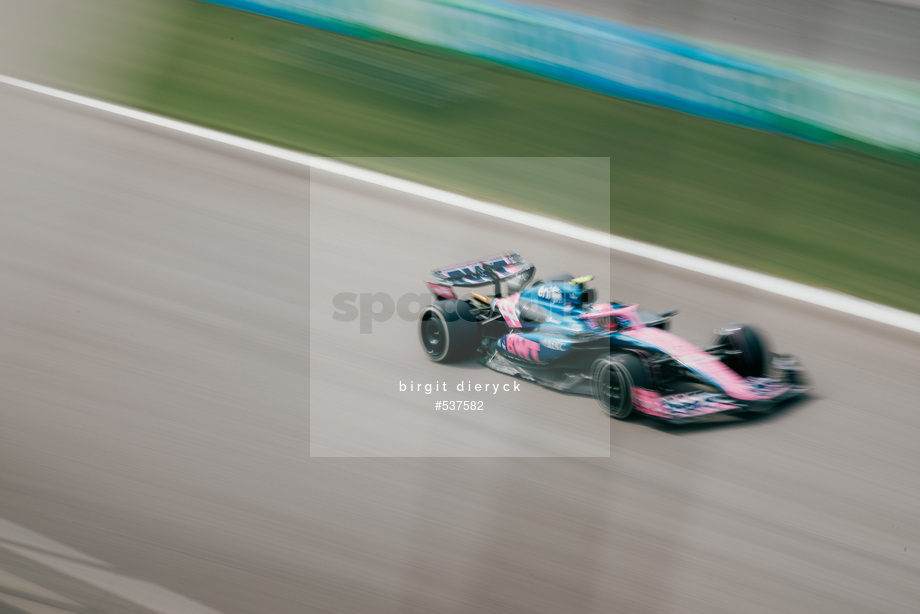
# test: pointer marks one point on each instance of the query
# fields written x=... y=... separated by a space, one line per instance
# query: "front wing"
x=700 y=404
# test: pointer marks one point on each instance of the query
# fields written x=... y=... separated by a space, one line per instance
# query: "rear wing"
x=480 y=273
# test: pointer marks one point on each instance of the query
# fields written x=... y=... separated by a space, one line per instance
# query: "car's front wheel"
x=745 y=350
x=449 y=331
x=613 y=380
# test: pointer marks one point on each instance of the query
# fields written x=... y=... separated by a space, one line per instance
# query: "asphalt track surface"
x=870 y=35
x=162 y=298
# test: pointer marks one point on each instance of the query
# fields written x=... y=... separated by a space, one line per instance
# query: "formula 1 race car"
x=554 y=333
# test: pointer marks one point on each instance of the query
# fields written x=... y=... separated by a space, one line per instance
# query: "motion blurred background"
x=815 y=214
x=156 y=336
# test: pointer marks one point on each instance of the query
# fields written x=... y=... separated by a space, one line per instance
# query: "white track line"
x=790 y=289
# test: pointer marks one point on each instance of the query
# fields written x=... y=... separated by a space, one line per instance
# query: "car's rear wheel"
x=449 y=331
x=614 y=379
x=745 y=350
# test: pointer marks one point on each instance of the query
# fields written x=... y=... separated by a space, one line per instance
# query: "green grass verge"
x=827 y=217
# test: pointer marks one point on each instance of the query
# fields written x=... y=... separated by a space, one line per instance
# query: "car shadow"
x=466 y=365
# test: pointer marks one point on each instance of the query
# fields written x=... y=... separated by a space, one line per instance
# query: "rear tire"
x=748 y=357
x=613 y=379
x=449 y=331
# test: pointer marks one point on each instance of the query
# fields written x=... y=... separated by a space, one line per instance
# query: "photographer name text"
x=464 y=386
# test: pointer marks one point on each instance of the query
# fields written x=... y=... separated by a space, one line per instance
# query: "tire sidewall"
x=752 y=362
x=460 y=330
x=614 y=366
x=438 y=315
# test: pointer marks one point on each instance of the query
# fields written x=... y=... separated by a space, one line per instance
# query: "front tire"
x=613 y=379
x=746 y=350
x=449 y=331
